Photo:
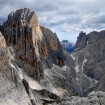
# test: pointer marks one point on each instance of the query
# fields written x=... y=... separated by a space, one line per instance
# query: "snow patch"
x=18 y=70
x=77 y=68
x=14 y=66
x=64 y=68
x=73 y=57
x=77 y=79
x=84 y=61
x=33 y=84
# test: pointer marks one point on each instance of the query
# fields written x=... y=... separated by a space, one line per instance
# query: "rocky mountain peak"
x=24 y=18
x=22 y=29
x=2 y=41
x=23 y=33
x=81 y=41
x=32 y=44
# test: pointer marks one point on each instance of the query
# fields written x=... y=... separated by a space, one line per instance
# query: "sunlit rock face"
x=3 y=52
x=81 y=41
x=29 y=48
x=9 y=93
x=22 y=31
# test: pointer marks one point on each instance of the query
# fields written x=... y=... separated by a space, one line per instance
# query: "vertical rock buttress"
x=22 y=31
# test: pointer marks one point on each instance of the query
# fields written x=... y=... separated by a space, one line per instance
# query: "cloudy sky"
x=65 y=17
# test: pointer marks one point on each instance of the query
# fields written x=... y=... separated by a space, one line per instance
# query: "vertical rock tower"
x=23 y=33
x=32 y=44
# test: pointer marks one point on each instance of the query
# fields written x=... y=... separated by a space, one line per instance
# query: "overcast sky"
x=65 y=17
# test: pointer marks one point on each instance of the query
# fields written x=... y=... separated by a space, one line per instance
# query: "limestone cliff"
x=32 y=44
x=54 y=51
x=89 y=55
x=29 y=48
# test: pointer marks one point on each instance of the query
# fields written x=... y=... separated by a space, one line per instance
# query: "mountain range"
x=36 y=70
x=67 y=45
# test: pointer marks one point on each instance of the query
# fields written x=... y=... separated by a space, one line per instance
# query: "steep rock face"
x=96 y=55
x=9 y=93
x=22 y=31
x=54 y=50
x=81 y=41
x=35 y=48
x=91 y=58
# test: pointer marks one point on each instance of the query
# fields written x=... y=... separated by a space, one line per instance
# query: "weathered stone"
x=81 y=41
x=22 y=31
x=3 y=52
x=90 y=55
x=53 y=50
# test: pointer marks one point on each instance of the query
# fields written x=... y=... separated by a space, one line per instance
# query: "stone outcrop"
x=32 y=45
x=90 y=56
x=53 y=50
x=81 y=41
x=8 y=90
x=22 y=31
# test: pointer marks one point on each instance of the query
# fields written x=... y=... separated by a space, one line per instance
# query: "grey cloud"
x=98 y=19
x=62 y=15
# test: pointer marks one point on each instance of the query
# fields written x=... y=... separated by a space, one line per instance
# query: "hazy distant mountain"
x=69 y=46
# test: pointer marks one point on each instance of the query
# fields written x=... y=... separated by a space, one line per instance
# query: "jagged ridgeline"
x=36 y=70
x=31 y=44
x=34 y=59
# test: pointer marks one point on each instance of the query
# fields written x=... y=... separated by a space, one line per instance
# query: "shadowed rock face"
x=3 y=52
x=22 y=31
x=53 y=49
x=29 y=48
x=96 y=55
x=81 y=41
x=90 y=51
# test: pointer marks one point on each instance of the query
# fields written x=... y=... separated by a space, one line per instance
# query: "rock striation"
x=90 y=57
x=36 y=70
x=54 y=49
x=37 y=61
x=81 y=41
x=32 y=44
x=22 y=31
